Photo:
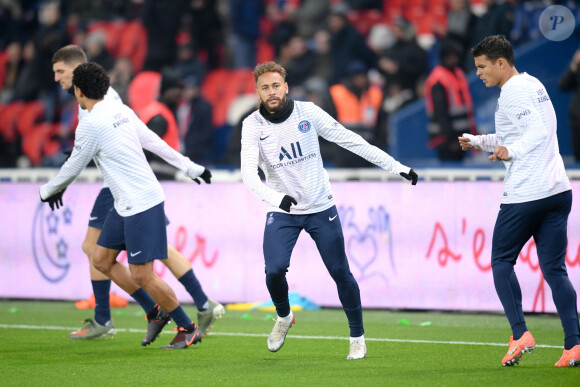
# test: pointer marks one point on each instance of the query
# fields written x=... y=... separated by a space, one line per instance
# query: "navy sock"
x=144 y=299
x=193 y=287
x=355 y=321
x=180 y=317
x=101 y=290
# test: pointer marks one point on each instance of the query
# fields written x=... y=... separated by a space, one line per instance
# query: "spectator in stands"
x=187 y=64
x=162 y=20
x=278 y=13
x=405 y=62
x=570 y=81
x=309 y=17
x=94 y=46
x=27 y=82
x=244 y=20
x=346 y=43
x=449 y=104
x=196 y=129
x=460 y=22
x=497 y=20
x=207 y=31
x=121 y=76
x=10 y=12
x=323 y=59
x=301 y=61
x=357 y=105
x=13 y=64
x=160 y=117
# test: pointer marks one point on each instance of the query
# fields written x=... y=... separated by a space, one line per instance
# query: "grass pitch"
x=433 y=349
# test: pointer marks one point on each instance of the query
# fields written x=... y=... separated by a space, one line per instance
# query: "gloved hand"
x=54 y=200
x=412 y=175
x=205 y=176
x=286 y=202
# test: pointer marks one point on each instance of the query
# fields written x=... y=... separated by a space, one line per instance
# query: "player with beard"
x=282 y=139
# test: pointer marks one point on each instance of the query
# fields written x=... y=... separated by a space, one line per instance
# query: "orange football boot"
x=517 y=348
x=570 y=358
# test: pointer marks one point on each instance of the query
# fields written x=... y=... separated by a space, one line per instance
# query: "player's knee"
x=100 y=263
x=141 y=277
x=88 y=248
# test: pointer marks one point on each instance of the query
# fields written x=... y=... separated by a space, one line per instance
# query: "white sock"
x=360 y=339
x=286 y=319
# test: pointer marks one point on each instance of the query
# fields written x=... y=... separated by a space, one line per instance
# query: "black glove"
x=54 y=200
x=205 y=176
x=286 y=202
x=67 y=152
x=412 y=175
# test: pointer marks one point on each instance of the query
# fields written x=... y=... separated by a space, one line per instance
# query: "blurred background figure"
x=357 y=105
x=244 y=21
x=121 y=75
x=460 y=23
x=94 y=46
x=160 y=117
x=207 y=32
x=570 y=81
x=196 y=129
x=449 y=104
x=162 y=20
x=346 y=43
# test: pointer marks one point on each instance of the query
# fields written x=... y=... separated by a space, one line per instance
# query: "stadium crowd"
x=360 y=60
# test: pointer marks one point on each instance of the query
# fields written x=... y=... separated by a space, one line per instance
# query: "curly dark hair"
x=92 y=79
x=269 y=67
x=495 y=47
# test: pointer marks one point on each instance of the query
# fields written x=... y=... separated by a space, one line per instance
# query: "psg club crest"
x=304 y=126
x=270 y=219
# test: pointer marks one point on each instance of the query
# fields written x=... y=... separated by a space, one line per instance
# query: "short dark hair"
x=71 y=55
x=495 y=47
x=92 y=79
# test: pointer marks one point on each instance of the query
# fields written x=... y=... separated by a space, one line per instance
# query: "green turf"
x=235 y=353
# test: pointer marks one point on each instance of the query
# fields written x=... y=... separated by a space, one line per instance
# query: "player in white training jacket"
x=64 y=61
x=536 y=199
x=282 y=139
x=114 y=137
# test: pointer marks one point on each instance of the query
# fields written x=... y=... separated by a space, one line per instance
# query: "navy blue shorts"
x=101 y=208
x=143 y=235
x=103 y=204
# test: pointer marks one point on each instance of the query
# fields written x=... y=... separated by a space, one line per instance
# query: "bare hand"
x=500 y=153
x=464 y=142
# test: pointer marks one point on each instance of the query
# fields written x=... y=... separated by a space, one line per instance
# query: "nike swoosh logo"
x=511 y=352
x=93 y=217
x=331 y=219
x=191 y=341
x=263 y=138
x=135 y=254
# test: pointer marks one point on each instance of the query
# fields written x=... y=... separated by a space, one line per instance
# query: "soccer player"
x=282 y=139
x=536 y=199
x=113 y=136
x=64 y=61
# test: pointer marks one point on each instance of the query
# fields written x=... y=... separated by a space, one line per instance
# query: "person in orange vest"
x=358 y=105
x=159 y=116
x=449 y=104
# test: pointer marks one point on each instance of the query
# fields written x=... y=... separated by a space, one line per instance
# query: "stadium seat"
x=10 y=115
x=133 y=44
x=30 y=115
x=143 y=89
x=364 y=20
x=37 y=142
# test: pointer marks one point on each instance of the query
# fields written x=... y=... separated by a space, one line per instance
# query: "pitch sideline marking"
x=240 y=334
